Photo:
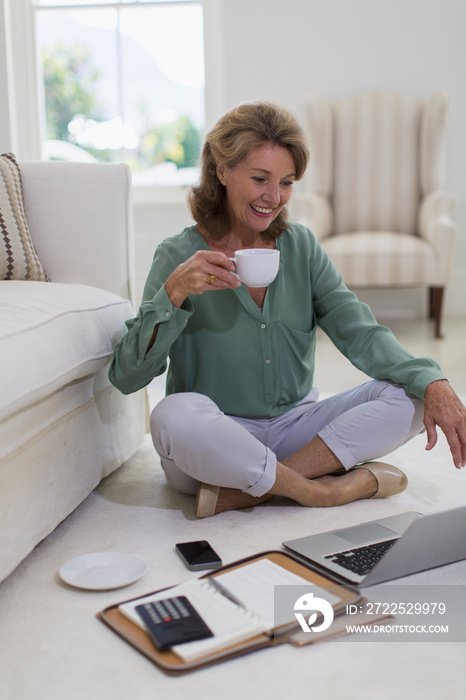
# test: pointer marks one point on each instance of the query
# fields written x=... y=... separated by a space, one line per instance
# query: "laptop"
x=386 y=549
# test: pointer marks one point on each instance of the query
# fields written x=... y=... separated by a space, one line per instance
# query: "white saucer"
x=101 y=571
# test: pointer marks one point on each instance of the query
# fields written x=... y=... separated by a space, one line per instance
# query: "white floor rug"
x=52 y=647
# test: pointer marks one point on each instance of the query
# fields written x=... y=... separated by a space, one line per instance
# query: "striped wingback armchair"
x=375 y=194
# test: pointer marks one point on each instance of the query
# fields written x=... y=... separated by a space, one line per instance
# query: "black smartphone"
x=198 y=555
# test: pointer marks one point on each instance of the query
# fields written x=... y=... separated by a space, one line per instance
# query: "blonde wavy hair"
x=238 y=132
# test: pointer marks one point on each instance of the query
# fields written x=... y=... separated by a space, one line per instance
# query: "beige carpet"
x=53 y=647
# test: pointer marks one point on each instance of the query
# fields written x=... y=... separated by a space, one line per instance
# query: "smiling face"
x=258 y=188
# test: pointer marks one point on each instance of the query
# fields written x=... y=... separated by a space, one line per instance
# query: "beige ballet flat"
x=389 y=479
x=206 y=501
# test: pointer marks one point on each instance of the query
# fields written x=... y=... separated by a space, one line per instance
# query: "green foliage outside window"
x=70 y=84
x=71 y=90
x=178 y=142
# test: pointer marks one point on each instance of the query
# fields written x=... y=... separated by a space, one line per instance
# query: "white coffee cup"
x=257 y=267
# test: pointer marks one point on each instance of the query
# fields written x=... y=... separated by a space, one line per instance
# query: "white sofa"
x=63 y=426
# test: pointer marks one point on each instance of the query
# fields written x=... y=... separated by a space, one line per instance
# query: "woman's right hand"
x=205 y=271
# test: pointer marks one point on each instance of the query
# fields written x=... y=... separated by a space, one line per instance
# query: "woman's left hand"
x=443 y=407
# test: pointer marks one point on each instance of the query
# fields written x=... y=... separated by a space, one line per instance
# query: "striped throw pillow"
x=18 y=256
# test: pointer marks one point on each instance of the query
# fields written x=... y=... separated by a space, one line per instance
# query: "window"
x=123 y=81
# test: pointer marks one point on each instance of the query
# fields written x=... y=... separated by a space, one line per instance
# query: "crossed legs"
x=293 y=456
x=305 y=477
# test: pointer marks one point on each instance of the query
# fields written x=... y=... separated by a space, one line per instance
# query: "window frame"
x=24 y=84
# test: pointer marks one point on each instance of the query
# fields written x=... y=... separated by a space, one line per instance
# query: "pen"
x=225 y=592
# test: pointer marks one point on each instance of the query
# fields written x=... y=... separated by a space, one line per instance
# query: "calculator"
x=173 y=621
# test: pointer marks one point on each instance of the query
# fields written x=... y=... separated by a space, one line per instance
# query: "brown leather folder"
x=170 y=663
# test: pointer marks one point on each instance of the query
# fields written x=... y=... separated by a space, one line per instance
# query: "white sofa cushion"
x=53 y=334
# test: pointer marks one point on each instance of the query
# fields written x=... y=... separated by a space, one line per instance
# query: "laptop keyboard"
x=361 y=559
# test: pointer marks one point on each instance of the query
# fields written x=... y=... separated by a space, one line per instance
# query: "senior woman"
x=241 y=421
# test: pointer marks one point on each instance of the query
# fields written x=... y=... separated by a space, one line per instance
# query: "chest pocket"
x=295 y=355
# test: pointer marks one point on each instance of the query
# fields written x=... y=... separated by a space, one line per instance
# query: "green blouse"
x=251 y=362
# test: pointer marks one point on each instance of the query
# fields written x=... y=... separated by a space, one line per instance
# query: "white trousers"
x=196 y=442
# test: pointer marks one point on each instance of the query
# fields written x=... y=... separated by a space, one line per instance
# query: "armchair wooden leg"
x=431 y=302
x=435 y=308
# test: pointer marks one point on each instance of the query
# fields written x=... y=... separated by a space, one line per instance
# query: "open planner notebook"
x=239 y=604
x=252 y=585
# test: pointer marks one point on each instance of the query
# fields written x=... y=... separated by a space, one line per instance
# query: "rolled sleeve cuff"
x=421 y=382
x=164 y=310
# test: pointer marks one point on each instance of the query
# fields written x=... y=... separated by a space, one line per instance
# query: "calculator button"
x=173 y=621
